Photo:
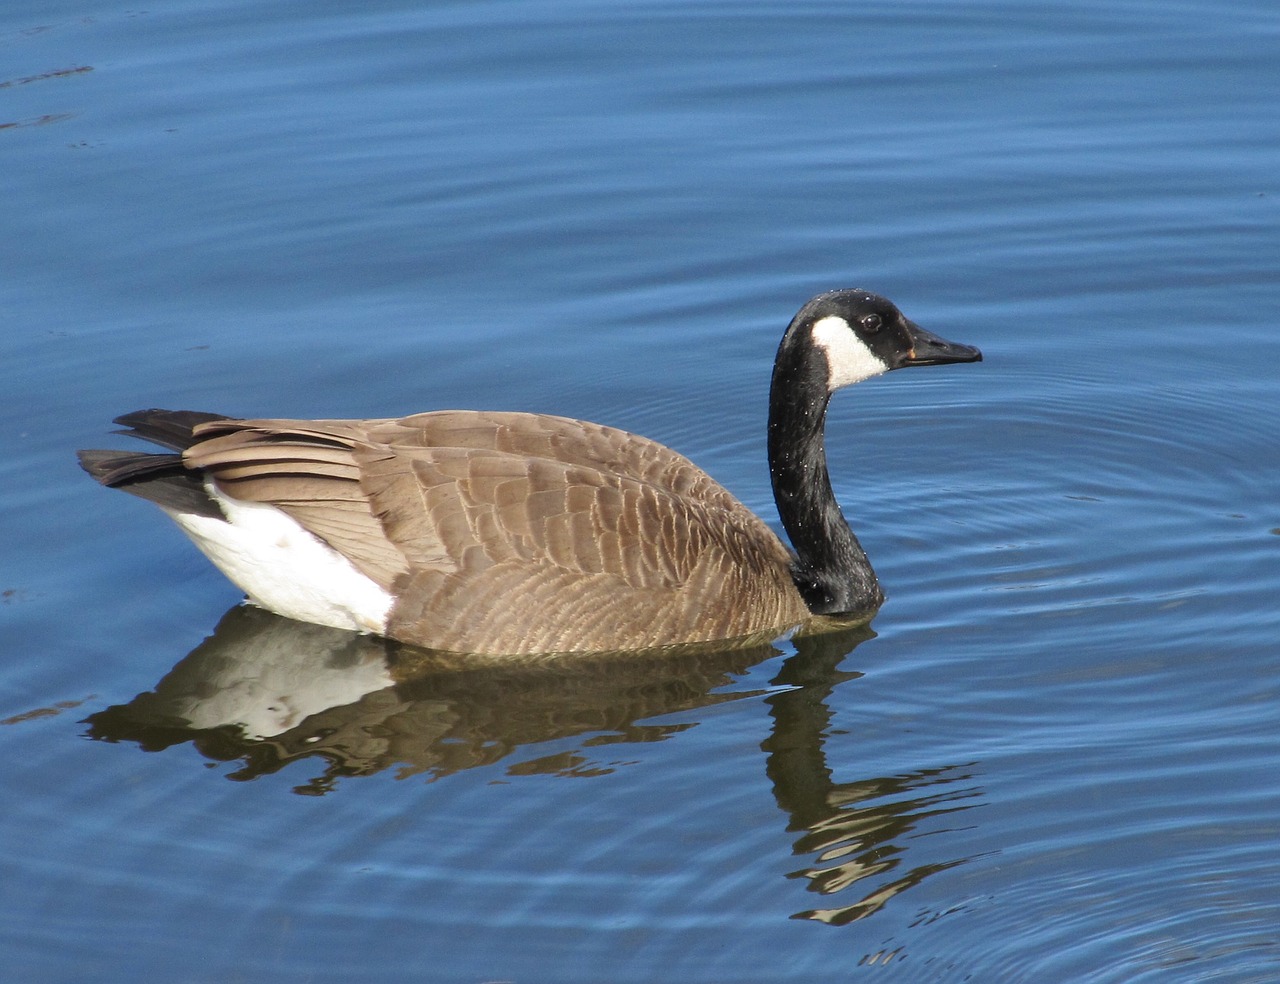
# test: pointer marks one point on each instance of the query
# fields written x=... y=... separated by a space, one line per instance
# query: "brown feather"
x=516 y=532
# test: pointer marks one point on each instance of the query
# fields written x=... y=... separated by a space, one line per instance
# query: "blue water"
x=1054 y=757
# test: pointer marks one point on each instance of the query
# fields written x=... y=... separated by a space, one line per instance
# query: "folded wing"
x=509 y=532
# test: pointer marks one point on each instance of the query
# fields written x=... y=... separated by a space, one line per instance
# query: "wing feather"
x=507 y=532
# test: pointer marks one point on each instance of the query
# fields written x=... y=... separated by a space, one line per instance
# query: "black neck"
x=831 y=569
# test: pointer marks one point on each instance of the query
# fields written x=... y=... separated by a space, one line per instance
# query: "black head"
x=862 y=334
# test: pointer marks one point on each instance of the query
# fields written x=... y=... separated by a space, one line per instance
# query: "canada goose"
x=490 y=532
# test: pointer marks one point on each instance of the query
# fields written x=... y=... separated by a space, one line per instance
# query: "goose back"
x=516 y=532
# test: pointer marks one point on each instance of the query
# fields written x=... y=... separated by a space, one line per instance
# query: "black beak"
x=927 y=349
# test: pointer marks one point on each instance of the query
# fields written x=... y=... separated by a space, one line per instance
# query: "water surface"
x=1053 y=755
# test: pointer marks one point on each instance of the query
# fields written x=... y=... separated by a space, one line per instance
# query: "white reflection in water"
x=269 y=692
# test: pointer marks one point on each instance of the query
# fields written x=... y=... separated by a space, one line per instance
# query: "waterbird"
x=524 y=533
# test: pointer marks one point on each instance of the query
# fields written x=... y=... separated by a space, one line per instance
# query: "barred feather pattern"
x=516 y=532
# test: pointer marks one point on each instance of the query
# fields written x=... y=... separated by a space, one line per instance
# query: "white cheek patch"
x=848 y=358
x=284 y=568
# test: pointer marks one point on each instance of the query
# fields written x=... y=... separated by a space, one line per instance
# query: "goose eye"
x=871 y=323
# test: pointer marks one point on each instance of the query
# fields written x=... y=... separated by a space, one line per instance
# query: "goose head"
x=860 y=334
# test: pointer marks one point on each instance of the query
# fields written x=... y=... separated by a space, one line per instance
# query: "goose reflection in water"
x=269 y=691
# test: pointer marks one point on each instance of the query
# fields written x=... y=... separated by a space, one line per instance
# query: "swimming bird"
x=518 y=533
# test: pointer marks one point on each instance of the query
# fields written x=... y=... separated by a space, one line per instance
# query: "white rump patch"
x=848 y=358
x=284 y=568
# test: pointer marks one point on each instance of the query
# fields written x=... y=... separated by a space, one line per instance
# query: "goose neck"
x=830 y=569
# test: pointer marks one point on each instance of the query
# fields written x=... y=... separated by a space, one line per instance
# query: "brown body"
x=515 y=532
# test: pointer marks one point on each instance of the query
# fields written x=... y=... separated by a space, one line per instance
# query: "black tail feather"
x=168 y=428
x=158 y=478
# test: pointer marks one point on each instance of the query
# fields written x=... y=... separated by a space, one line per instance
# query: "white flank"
x=285 y=569
x=848 y=358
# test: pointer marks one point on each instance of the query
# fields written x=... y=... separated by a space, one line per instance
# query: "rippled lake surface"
x=1053 y=756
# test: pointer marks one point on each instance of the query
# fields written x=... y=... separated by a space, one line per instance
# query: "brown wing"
x=308 y=469
x=517 y=532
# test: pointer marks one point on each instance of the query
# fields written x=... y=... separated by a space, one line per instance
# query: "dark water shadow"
x=858 y=830
x=267 y=692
